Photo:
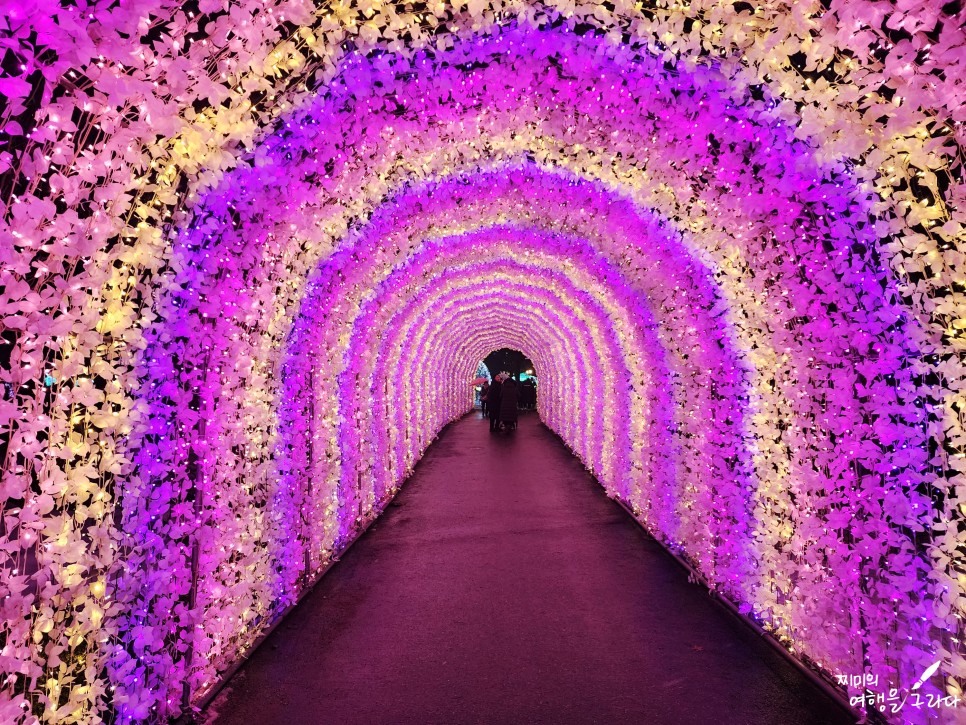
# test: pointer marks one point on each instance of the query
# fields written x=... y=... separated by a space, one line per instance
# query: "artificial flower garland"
x=888 y=398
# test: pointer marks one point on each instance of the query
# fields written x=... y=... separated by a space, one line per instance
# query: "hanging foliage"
x=239 y=239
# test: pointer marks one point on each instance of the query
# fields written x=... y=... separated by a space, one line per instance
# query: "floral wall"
x=253 y=253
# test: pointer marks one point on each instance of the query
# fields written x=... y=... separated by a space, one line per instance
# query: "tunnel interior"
x=745 y=315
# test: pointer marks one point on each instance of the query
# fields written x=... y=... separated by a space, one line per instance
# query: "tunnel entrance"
x=517 y=365
x=511 y=387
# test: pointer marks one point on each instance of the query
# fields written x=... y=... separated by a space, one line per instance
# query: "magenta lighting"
x=248 y=276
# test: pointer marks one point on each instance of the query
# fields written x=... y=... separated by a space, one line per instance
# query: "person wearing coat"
x=493 y=403
x=509 y=395
x=484 y=391
x=528 y=394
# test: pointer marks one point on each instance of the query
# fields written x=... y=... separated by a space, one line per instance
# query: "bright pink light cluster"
x=715 y=337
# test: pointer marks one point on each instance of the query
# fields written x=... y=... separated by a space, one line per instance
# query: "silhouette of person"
x=493 y=403
x=509 y=396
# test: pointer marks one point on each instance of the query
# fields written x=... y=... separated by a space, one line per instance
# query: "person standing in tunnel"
x=509 y=395
x=493 y=403
x=528 y=394
x=484 y=391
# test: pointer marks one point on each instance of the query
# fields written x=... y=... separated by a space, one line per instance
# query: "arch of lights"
x=251 y=276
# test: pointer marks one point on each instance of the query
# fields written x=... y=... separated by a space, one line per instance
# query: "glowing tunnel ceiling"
x=704 y=273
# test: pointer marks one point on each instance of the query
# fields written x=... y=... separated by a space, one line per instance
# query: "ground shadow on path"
x=505 y=587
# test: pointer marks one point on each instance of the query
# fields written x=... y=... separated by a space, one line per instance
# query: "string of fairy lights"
x=253 y=265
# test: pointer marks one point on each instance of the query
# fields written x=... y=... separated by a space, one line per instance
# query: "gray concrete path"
x=504 y=587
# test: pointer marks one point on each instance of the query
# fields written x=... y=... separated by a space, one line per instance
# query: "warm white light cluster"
x=253 y=252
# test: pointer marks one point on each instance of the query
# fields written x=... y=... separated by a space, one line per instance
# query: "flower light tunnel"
x=231 y=343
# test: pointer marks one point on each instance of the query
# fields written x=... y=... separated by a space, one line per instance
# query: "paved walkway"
x=504 y=587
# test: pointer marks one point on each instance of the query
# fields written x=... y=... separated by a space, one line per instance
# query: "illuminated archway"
x=774 y=228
